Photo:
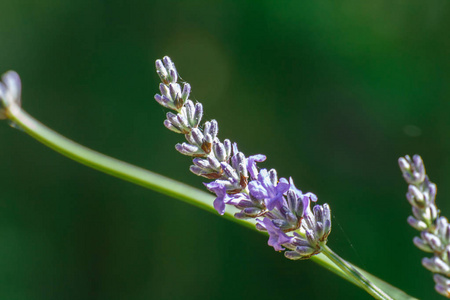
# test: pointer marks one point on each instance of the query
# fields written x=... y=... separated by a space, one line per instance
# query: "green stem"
x=179 y=191
x=352 y=272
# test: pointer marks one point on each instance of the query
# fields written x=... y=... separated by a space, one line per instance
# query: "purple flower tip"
x=311 y=197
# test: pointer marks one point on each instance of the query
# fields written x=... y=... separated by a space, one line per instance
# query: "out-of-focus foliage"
x=340 y=89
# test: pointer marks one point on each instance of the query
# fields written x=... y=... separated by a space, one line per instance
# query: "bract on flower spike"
x=277 y=205
x=434 y=229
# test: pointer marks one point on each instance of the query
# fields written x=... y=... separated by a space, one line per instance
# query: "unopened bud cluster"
x=10 y=92
x=278 y=206
x=434 y=230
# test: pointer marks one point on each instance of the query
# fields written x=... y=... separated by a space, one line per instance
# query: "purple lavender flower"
x=276 y=236
x=251 y=164
x=220 y=190
x=267 y=188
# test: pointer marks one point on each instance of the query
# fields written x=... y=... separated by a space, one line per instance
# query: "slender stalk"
x=180 y=191
x=351 y=271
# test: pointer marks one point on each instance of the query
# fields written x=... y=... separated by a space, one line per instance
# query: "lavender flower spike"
x=286 y=211
x=434 y=230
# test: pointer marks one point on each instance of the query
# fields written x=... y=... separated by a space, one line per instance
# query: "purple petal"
x=239 y=199
x=306 y=199
x=312 y=197
x=258 y=157
x=251 y=164
x=221 y=191
x=306 y=205
x=292 y=187
x=216 y=187
x=262 y=174
x=257 y=190
x=283 y=186
x=273 y=202
x=276 y=236
x=219 y=205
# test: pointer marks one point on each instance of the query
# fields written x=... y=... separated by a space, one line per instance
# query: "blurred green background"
x=333 y=92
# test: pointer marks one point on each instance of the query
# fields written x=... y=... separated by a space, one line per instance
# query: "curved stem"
x=110 y=165
x=180 y=191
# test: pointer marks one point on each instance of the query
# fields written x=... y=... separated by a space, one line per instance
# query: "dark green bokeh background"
x=333 y=92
